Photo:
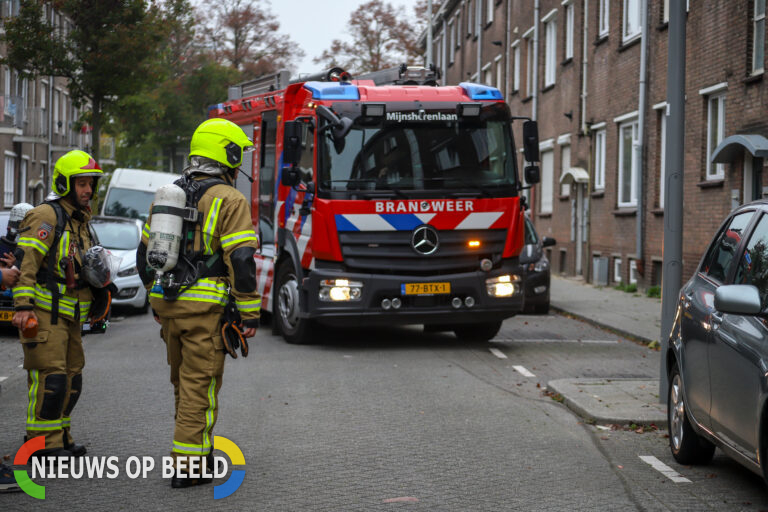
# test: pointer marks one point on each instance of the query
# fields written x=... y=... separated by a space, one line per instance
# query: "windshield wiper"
x=476 y=186
x=390 y=191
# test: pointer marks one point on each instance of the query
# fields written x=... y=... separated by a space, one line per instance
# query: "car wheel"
x=477 y=332
x=687 y=446
x=294 y=329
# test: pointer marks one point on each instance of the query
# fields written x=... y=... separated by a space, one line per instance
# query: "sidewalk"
x=631 y=315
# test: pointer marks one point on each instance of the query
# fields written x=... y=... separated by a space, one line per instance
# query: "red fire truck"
x=383 y=200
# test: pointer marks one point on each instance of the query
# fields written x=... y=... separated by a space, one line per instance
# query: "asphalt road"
x=385 y=419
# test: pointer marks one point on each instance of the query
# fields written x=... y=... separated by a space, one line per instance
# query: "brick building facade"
x=602 y=157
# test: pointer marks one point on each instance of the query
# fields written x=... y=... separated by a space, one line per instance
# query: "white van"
x=131 y=192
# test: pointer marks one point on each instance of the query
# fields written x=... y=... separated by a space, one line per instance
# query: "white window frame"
x=452 y=44
x=499 y=72
x=632 y=271
x=547 y=179
x=550 y=49
x=529 y=85
x=470 y=16
x=516 y=66
x=489 y=8
x=758 y=39
x=487 y=74
x=632 y=126
x=565 y=164
x=604 y=13
x=457 y=24
x=715 y=105
x=9 y=183
x=617 y=270
x=65 y=113
x=568 y=5
x=600 y=147
x=630 y=25
x=23 y=178
x=56 y=109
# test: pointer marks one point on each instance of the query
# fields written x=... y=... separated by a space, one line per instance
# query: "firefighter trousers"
x=54 y=361
x=196 y=357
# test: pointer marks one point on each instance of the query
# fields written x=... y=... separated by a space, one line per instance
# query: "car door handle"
x=687 y=298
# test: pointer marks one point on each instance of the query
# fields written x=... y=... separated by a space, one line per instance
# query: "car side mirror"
x=738 y=299
x=292 y=142
x=531 y=141
x=532 y=175
x=547 y=241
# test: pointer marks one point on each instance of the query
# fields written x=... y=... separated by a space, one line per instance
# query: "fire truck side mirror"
x=532 y=176
x=290 y=177
x=531 y=142
x=292 y=142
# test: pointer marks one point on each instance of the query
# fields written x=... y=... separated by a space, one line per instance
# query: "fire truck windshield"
x=421 y=151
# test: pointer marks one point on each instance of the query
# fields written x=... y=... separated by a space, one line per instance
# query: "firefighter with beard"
x=208 y=304
x=53 y=292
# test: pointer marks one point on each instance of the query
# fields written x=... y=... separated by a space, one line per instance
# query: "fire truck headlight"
x=503 y=286
x=339 y=290
x=468 y=109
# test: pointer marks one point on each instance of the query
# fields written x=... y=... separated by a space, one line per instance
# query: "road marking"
x=554 y=340
x=2 y=378
x=498 y=353
x=523 y=370
x=664 y=469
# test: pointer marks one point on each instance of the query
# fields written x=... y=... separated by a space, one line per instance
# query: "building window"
x=568 y=30
x=632 y=271
x=565 y=164
x=715 y=133
x=457 y=26
x=758 y=38
x=662 y=155
x=9 y=185
x=499 y=72
x=452 y=44
x=516 y=66
x=617 y=270
x=56 y=105
x=602 y=17
x=600 y=159
x=631 y=21
x=550 y=55
x=627 y=164
x=470 y=16
x=529 y=85
x=547 y=164
x=489 y=4
x=488 y=75
x=23 y=180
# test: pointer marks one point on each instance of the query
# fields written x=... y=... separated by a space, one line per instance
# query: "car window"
x=723 y=249
x=530 y=233
x=134 y=204
x=117 y=235
x=753 y=264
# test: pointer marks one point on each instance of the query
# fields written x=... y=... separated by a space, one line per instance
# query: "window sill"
x=601 y=39
x=625 y=212
x=753 y=79
x=548 y=88
x=659 y=212
x=527 y=99
x=662 y=26
x=514 y=93
x=711 y=183
x=563 y=197
x=544 y=215
x=598 y=194
x=567 y=62
x=630 y=43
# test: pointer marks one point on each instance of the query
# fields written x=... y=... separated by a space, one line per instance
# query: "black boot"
x=46 y=454
x=78 y=450
x=181 y=481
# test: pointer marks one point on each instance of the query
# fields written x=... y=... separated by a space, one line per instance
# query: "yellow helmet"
x=73 y=164
x=220 y=140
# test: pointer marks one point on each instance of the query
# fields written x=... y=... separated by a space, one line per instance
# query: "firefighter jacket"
x=226 y=227
x=38 y=233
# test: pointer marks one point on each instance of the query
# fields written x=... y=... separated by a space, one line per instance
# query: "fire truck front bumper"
x=352 y=299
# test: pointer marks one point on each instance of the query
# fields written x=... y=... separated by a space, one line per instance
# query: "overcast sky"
x=313 y=25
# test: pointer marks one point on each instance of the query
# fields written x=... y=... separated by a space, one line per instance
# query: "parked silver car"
x=718 y=357
x=122 y=236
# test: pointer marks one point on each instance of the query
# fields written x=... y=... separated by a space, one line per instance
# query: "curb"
x=626 y=334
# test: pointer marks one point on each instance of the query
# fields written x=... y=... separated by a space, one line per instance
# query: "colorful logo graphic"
x=21 y=459
x=235 y=455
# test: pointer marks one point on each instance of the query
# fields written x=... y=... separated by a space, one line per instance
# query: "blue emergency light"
x=332 y=91
x=481 y=92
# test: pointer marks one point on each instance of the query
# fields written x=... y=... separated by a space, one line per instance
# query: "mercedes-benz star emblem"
x=424 y=240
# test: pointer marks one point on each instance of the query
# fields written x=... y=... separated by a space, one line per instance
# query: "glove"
x=232 y=331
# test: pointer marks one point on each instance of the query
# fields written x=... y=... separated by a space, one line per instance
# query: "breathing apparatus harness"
x=192 y=264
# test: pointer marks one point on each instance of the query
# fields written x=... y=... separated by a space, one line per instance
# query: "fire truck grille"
x=390 y=252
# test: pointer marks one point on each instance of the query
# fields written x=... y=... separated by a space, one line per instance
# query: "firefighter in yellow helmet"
x=52 y=291
x=208 y=304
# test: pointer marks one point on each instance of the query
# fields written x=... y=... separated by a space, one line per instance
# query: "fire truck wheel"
x=295 y=329
x=477 y=332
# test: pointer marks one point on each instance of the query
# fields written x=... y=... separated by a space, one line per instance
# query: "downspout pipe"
x=584 y=59
x=506 y=52
x=535 y=67
x=429 y=33
x=639 y=149
x=479 y=25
